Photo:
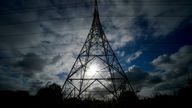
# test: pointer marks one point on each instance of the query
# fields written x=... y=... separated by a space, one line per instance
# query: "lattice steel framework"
x=96 y=72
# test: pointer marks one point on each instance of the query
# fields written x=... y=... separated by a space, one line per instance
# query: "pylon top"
x=96 y=19
x=96 y=6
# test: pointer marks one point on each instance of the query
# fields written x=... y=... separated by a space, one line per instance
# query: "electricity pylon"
x=96 y=72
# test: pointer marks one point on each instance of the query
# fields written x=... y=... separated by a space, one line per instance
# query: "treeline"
x=50 y=97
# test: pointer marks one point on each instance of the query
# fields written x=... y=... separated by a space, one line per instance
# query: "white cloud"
x=134 y=56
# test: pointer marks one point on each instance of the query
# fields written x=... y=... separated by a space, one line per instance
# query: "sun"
x=92 y=70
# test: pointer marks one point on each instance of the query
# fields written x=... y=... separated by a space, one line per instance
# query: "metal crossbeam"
x=95 y=79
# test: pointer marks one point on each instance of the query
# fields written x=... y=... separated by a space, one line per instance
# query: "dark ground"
x=50 y=97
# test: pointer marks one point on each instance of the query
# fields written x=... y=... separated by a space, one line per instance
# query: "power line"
x=83 y=17
x=37 y=9
x=20 y=35
x=39 y=20
x=68 y=43
x=72 y=5
x=48 y=55
x=67 y=52
x=149 y=51
x=35 y=47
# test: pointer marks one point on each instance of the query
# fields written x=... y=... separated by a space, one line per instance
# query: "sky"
x=40 y=39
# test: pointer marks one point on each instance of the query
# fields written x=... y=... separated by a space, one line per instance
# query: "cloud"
x=154 y=78
x=177 y=64
x=134 y=56
x=158 y=18
x=135 y=73
x=32 y=62
x=8 y=82
x=171 y=73
x=56 y=59
x=137 y=77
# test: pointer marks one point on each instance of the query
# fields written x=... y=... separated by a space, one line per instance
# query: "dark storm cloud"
x=158 y=18
x=56 y=59
x=7 y=82
x=32 y=62
x=143 y=27
x=155 y=79
x=139 y=78
x=136 y=74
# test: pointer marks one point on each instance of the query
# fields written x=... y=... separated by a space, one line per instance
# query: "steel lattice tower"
x=96 y=72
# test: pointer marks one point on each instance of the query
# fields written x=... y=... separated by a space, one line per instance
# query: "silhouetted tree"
x=127 y=98
x=14 y=98
x=186 y=91
x=50 y=95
